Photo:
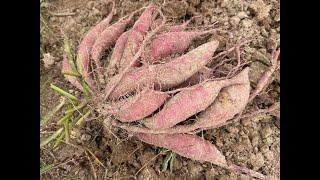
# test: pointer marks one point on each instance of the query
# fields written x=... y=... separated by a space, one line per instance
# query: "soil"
x=252 y=142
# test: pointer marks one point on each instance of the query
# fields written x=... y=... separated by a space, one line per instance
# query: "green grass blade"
x=64 y=93
x=64 y=118
x=173 y=157
x=50 y=138
x=67 y=49
x=46 y=168
x=71 y=73
x=66 y=130
x=168 y=160
x=86 y=88
x=59 y=139
x=165 y=162
x=51 y=113
x=75 y=72
x=77 y=108
x=78 y=121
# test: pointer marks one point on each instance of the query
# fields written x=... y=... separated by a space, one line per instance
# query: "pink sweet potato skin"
x=133 y=80
x=183 y=105
x=107 y=38
x=231 y=101
x=144 y=22
x=83 y=56
x=178 y=70
x=136 y=36
x=190 y=146
x=189 y=102
x=132 y=46
x=171 y=43
x=72 y=79
x=140 y=105
x=165 y=75
x=118 y=49
x=198 y=77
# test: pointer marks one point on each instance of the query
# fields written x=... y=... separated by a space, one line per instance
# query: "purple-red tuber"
x=139 y=106
x=83 y=56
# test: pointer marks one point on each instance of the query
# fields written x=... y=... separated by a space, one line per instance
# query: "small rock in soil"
x=194 y=168
x=264 y=148
x=247 y=23
x=266 y=131
x=268 y=141
x=232 y=129
x=234 y=21
x=85 y=137
x=257 y=161
x=269 y=155
x=184 y=163
x=242 y=15
x=246 y=122
x=261 y=9
x=48 y=60
x=148 y=173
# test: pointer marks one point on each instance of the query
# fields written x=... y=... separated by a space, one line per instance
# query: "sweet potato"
x=107 y=38
x=83 y=56
x=234 y=97
x=136 y=36
x=139 y=106
x=190 y=146
x=164 y=75
x=66 y=67
x=230 y=101
x=180 y=69
x=171 y=43
x=133 y=80
x=189 y=102
x=198 y=77
x=144 y=22
x=116 y=55
x=132 y=46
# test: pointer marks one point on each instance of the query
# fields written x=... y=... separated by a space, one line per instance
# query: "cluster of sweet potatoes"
x=161 y=99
